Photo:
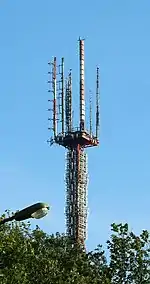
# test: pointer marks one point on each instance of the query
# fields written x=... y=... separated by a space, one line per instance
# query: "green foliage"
x=129 y=256
x=32 y=256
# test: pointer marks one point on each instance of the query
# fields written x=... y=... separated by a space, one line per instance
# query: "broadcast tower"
x=74 y=139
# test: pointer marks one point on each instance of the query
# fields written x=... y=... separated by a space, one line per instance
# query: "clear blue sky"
x=117 y=38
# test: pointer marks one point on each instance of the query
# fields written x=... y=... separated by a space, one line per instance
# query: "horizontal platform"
x=72 y=139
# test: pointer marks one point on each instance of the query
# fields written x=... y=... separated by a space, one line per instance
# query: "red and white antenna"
x=82 y=95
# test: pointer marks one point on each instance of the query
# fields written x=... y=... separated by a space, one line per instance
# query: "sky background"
x=117 y=39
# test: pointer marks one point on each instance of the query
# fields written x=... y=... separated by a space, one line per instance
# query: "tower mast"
x=75 y=140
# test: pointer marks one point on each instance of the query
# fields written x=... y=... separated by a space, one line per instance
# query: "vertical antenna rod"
x=82 y=98
x=68 y=103
x=97 y=104
x=62 y=95
x=54 y=101
x=90 y=102
x=66 y=106
x=70 y=99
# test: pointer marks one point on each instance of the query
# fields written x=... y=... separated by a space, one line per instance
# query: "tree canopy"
x=32 y=256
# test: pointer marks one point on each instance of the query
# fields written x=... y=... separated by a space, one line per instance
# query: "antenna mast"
x=97 y=104
x=68 y=102
x=54 y=101
x=82 y=95
x=90 y=103
x=62 y=96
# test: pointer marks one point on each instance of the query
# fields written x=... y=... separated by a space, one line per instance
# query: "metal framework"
x=75 y=140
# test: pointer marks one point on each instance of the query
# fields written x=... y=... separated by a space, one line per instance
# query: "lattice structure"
x=82 y=195
x=76 y=194
x=75 y=140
